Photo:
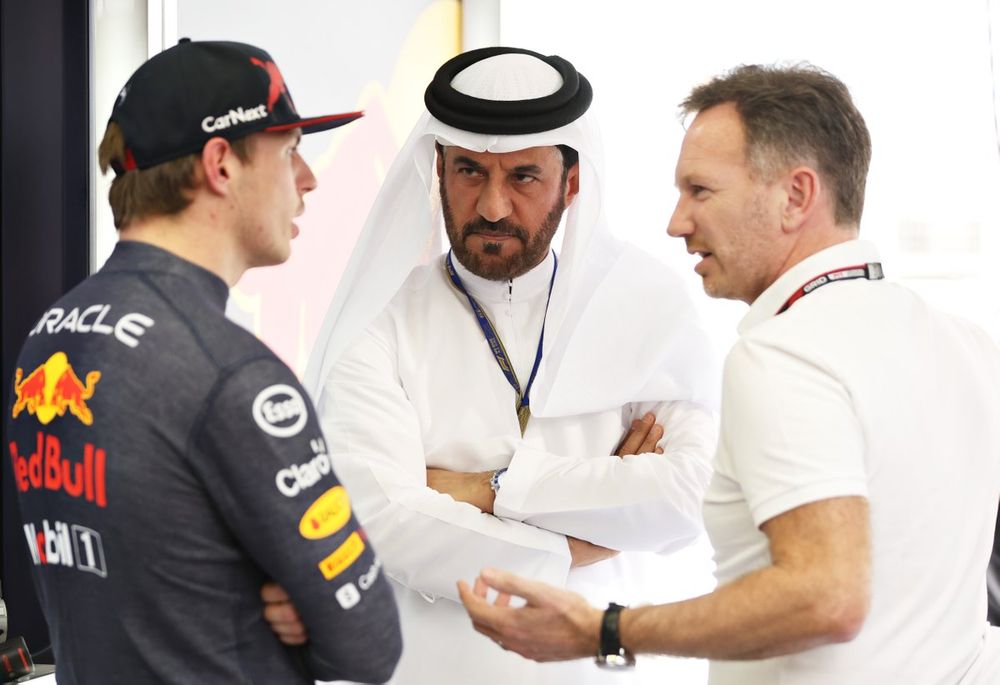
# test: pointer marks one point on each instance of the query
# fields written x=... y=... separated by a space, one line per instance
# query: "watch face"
x=621 y=660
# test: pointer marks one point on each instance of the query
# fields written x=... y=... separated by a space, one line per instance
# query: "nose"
x=680 y=223
x=306 y=180
x=494 y=203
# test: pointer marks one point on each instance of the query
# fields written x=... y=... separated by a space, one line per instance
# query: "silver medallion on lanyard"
x=522 y=404
x=872 y=271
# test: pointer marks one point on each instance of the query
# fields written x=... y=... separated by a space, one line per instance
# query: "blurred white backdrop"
x=920 y=73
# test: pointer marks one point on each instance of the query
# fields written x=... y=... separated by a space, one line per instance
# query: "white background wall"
x=920 y=73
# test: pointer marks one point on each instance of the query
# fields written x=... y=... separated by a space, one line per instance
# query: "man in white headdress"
x=476 y=404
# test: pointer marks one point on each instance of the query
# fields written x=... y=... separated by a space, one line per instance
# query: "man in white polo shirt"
x=858 y=470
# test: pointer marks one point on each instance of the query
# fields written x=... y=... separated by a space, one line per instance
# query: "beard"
x=490 y=265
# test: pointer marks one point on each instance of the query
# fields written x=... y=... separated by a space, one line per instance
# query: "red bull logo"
x=47 y=468
x=52 y=389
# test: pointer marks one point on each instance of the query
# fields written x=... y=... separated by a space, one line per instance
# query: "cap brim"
x=316 y=124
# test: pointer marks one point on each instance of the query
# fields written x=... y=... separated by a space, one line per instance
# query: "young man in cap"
x=858 y=470
x=167 y=462
x=477 y=409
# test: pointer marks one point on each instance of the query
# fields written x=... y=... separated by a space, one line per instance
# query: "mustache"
x=502 y=227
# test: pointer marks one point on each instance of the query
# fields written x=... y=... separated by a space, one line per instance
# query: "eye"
x=468 y=172
x=698 y=191
x=524 y=178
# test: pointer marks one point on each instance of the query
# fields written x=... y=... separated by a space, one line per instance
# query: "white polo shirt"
x=860 y=388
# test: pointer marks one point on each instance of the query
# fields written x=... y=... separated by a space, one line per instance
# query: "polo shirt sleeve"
x=790 y=430
x=264 y=461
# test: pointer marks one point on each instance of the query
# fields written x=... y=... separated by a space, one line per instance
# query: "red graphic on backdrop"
x=334 y=215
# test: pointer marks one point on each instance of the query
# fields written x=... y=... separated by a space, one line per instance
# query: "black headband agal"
x=507 y=117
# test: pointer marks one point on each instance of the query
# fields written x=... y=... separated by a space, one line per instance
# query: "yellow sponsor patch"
x=342 y=557
x=326 y=515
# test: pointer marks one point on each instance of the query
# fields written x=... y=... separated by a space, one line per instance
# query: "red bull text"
x=47 y=468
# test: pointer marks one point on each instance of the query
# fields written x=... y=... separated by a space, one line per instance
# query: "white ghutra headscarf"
x=619 y=327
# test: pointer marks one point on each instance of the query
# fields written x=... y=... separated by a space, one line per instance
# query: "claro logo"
x=326 y=515
x=298 y=477
x=280 y=411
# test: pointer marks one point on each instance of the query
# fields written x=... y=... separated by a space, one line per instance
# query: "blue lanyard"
x=522 y=404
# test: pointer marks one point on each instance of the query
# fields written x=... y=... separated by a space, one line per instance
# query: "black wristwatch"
x=611 y=654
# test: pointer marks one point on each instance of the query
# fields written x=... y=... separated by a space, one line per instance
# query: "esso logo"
x=280 y=411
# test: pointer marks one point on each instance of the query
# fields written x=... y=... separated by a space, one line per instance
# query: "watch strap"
x=610 y=640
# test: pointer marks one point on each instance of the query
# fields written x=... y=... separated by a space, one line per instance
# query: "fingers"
x=507 y=583
x=282 y=617
x=487 y=619
x=281 y=613
x=480 y=588
x=272 y=592
x=469 y=598
x=474 y=601
x=635 y=435
x=652 y=437
x=642 y=436
x=290 y=633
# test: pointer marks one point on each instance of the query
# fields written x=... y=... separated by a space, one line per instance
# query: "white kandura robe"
x=421 y=389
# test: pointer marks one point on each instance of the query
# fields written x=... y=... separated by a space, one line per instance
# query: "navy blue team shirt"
x=167 y=464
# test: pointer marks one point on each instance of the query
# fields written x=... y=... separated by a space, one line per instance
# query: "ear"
x=802 y=189
x=218 y=162
x=572 y=184
x=439 y=156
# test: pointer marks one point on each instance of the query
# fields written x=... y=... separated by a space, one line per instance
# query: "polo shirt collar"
x=841 y=255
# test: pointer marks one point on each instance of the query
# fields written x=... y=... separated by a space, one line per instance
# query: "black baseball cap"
x=197 y=90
